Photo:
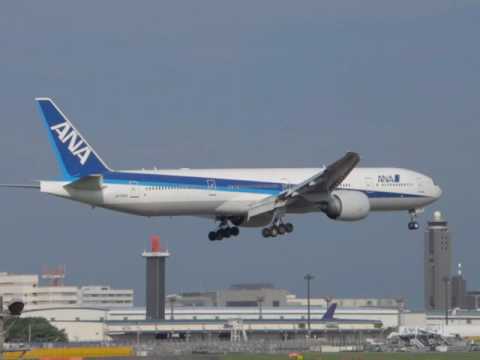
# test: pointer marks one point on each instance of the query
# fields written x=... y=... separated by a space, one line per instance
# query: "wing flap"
x=265 y=206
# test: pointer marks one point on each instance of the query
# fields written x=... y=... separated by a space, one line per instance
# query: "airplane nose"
x=437 y=192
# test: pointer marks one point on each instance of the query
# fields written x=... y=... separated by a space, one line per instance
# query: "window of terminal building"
x=275 y=303
x=241 y=303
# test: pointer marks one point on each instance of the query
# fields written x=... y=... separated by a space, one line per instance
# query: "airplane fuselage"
x=230 y=192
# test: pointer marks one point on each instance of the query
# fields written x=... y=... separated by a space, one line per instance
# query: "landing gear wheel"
x=226 y=233
x=235 y=231
x=413 y=225
x=274 y=231
x=266 y=232
x=289 y=227
x=212 y=236
x=219 y=235
x=281 y=229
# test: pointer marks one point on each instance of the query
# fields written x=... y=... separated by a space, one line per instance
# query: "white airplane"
x=232 y=197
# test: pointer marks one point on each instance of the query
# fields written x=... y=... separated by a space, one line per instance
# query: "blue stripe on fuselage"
x=229 y=185
x=386 y=195
x=257 y=187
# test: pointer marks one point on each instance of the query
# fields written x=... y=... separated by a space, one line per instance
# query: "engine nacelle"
x=347 y=206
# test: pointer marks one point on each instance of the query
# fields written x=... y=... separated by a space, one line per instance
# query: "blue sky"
x=242 y=84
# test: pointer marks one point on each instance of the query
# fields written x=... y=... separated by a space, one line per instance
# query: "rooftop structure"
x=56 y=276
x=248 y=296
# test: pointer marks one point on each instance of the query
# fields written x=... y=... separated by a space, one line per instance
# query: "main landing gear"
x=224 y=231
x=278 y=228
x=413 y=224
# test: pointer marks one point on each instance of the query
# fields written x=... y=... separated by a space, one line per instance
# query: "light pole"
x=308 y=278
x=400 y=308
x=446 y=279
x=2 y=335
x=172 y=299
x=328 y=300
x=260 y=301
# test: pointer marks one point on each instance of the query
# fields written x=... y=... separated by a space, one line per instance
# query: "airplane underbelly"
x=182 y=202
x=397 y=204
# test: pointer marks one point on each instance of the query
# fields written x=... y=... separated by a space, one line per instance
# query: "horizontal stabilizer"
x=20 y=186
x=90 y=182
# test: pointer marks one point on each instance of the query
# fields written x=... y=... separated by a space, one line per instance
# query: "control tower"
x=155 y=281
x=437 y=262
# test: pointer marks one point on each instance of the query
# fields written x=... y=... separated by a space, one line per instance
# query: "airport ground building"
x=465 y=323
x=27 y=288
x=255 y=295
x=100 y=324
x=210 y=323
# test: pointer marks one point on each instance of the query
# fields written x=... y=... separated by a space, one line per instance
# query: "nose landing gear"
x=413 y=224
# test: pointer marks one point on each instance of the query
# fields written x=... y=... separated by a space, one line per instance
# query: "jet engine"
x=347 y=206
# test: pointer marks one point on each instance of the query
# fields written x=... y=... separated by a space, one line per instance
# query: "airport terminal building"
x=100 y=324
x=97 y=324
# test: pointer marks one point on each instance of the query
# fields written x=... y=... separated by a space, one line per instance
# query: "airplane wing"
x=327 y=180
x=324 y=181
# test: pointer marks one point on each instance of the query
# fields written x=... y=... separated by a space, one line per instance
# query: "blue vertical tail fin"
x=330 y=312
x=75 y=156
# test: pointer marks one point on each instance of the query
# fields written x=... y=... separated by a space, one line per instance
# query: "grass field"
x=363 y=356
